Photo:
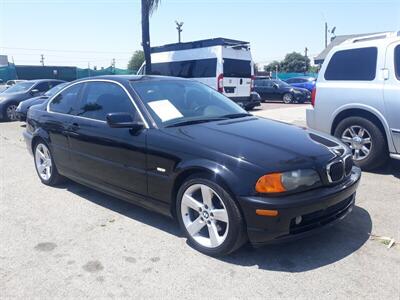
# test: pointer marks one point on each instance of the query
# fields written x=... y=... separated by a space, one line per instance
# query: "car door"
x=392 y=91
x=57 y=122
x=111 y=158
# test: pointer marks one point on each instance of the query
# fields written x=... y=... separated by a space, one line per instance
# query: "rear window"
x=354 y=64
x=237 y=68
x=397 y=61
x=187 y=69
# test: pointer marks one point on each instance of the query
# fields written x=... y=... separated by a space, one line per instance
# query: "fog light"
x=298 y=220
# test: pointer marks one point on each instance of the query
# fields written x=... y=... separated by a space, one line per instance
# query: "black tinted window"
x=102 y=98
x=397 y=61
x=42 y=87
x=187 y=69
x=354 y=64
x=237 y=68
x=66 y=100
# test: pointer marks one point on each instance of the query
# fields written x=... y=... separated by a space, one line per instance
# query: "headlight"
x=287 y=181
x=1 y=99
x=297 y=91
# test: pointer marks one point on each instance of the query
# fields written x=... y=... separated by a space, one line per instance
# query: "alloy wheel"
x=11 y=112
x=204 y=215
x=43 y=161
x=359 y=141
x=287 y=98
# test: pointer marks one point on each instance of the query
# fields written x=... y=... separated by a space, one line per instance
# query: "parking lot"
x=74 y=242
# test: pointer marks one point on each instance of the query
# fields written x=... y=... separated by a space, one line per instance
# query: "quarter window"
x=354 y=64
x=102 y=98
x=65 y=101
x=397 y=61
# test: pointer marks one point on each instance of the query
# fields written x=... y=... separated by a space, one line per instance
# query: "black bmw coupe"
x=182 y=149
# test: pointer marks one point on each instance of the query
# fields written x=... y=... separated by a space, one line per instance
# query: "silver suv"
x=357 y=97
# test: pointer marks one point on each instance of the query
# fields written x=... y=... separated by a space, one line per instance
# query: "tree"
x=295 y=62
x=148 y=7
x=271 y=67
x=136 y=60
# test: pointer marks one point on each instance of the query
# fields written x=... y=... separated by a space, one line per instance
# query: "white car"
x=223 y=64
x=357 y=97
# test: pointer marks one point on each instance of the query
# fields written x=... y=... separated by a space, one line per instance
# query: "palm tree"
x=148 y=7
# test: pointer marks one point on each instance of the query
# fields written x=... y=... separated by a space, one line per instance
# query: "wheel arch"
x=37 y=136
x=208 y=169
x=366 y=112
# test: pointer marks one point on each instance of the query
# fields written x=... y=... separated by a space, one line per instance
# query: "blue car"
x=302 y=82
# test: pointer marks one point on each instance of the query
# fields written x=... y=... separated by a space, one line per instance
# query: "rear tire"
x=366 y=140
x=287 y=98
x=44 y=164
x=209 y=217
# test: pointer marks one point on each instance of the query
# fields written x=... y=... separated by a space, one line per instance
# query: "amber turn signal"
x=270 y=183
x=267 y=212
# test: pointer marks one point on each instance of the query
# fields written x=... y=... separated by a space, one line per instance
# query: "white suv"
x=357 y=97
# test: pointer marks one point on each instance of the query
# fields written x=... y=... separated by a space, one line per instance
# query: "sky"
x=93 y=32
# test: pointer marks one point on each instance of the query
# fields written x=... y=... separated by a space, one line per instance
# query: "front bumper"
x=20 y=114
x=318 y=208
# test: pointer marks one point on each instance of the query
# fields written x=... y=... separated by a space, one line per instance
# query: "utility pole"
x=42 y=59
x=305 y=59
x=179 y=28
x=326 y=34
x=113 y=65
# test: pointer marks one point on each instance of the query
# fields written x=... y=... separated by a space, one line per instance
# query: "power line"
x=67 y=51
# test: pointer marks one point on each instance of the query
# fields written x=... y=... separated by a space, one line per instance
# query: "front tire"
x=9 y=113
x=287 y=98
x=366 y=141
x=45 y=166
x=209 y=217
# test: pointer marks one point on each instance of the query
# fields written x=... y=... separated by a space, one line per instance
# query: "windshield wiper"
x=197 y=121
x=238 y=115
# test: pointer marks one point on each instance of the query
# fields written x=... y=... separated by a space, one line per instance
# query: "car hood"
x=34 y=100
x=301 y=89
x=260 y=141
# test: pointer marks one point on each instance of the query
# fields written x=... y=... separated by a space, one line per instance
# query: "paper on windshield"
x=165 y=110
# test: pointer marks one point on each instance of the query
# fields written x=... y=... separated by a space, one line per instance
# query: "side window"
x=42 y=87
x=53 y=84
x=65 y=101
x=353 y=64
x=397 y=61
x=102 y=98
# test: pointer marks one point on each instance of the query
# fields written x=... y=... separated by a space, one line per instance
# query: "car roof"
x=44 y=80
x=125 y=78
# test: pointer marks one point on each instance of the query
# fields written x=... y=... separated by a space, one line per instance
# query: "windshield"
x=174 y=102
x=55 y=89
x=19 y=87
x=281 y=83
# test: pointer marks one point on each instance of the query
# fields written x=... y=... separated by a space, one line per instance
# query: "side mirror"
x=123 y=120
x=34 y=91
x=276 y=86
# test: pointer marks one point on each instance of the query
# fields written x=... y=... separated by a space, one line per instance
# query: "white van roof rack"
x=372 y=37
x=201 y=44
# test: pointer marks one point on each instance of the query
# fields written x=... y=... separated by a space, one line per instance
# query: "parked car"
x=302 y=82
x=274 y=89
x=22 y=109
x=357 y=98
x=223 y=64
x=185 y=150
x=10 y=98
